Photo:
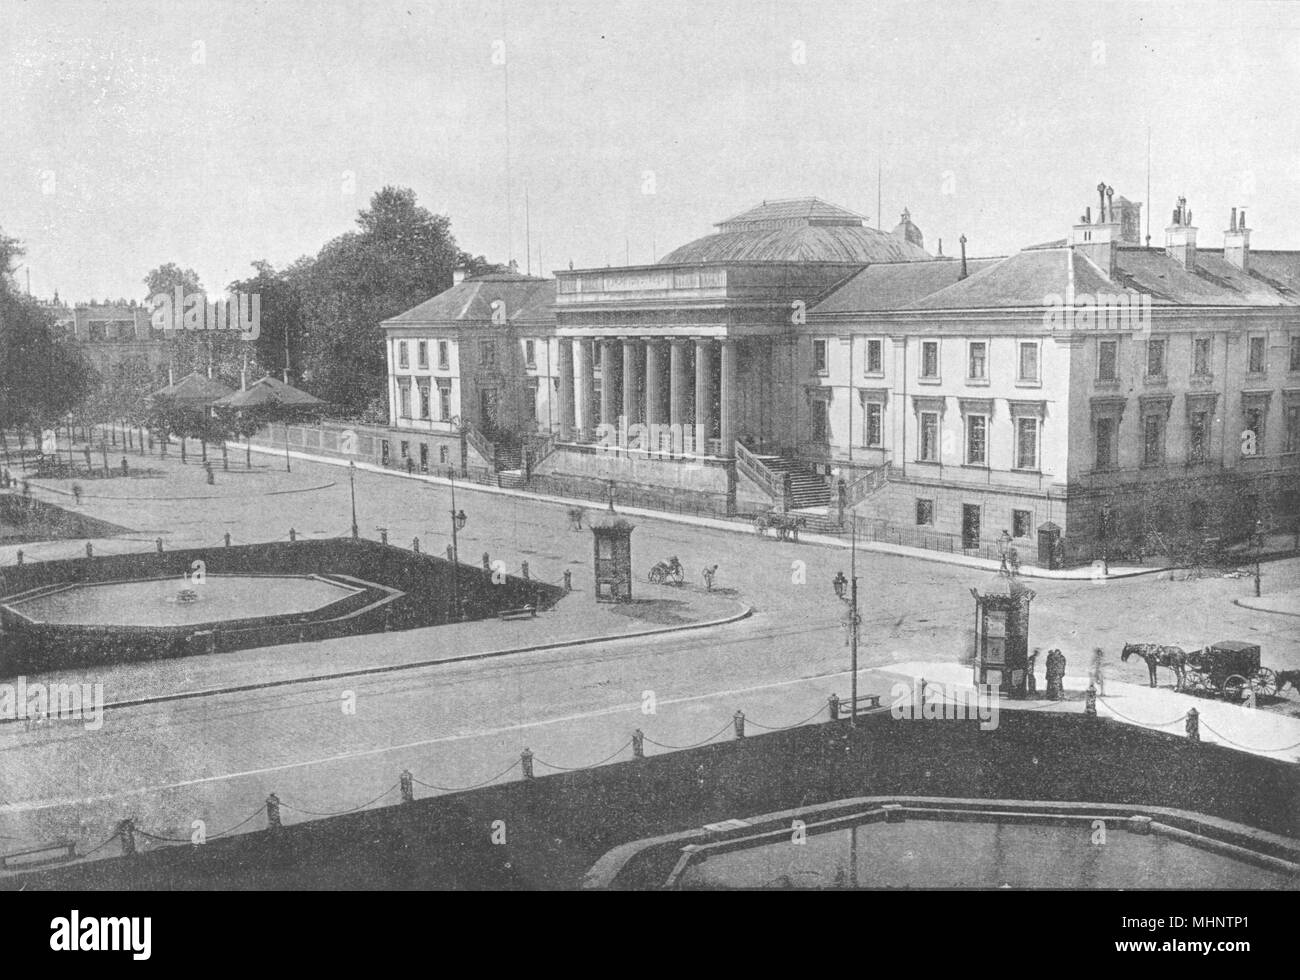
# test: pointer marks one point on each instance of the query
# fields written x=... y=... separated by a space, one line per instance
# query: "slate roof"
x=803 y=209
x=472 y=299
x=896 y=285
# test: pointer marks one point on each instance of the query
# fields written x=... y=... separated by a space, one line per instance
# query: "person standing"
x=1031 y=682
x=1097 y=675
x=709 y=572
x=1055 y=674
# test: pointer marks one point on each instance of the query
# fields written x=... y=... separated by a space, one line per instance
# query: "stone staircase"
x=807 y=489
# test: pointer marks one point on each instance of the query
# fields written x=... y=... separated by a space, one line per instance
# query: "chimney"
x=1236 y=242
x=458 y=275
x=1099 y=242
x=1180 y=237
x=963 y=258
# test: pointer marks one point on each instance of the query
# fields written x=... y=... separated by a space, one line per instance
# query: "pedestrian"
x=1031 y=682
x=1096 y=675
x=76 y=493
x=1055 y=674
x=709 y=572
x=575 y=518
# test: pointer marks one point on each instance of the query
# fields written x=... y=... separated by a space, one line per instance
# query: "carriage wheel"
x=677 y=576
x=1264 y=682
x=656 y=576
x=1234 y=688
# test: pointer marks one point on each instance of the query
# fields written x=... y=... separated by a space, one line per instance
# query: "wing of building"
x=1083 y=396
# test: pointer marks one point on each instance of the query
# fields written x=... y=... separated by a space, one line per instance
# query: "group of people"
x=1056 y=673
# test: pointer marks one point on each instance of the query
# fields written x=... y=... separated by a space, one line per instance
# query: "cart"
x=1227 y=669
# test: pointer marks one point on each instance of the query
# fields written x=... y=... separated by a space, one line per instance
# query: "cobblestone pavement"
x=214 y=758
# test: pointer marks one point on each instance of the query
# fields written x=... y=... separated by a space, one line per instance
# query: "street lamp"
x=352 y=483
x=854 y=620
x=458 y=522
x=1259 y=547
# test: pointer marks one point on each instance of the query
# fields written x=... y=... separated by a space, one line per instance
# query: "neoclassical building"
x=799 y=359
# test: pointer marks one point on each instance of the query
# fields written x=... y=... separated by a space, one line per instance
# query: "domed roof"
x=803 y=230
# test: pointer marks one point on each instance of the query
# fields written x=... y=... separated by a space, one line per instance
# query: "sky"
x=219 y=132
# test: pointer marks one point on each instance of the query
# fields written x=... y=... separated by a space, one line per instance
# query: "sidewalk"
x=1085 y=573
x=1283 y=603
x=1266 y=733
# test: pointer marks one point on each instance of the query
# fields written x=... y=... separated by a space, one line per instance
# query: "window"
x=406 y=450
x=1026 y=443
x=487 y=353
x=403 y=355
x=819 y=356
x=930 y=359
x=1252 y=443
x=530 y=354
x=444 y=359
x=1022 y=523
x=422 y=354
x=924 y=512
x=1258 y=351
x=442 y=454
x=425 y=402
x=977 y=369
x=530 y=401
x=1201 y=357
x=873 y=427
x=930 y=437
x=1153 y=440
x=876 y=357
x=1198 y=437
x=1107 y=359
x=1155 y=358
x=977 y=440
x=1028 y=362
x=1293 y=428
x=444 y=402
x=1294 y=364
x=403 y=399
x=820 y=422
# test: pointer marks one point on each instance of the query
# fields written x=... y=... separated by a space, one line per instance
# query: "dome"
x=798 y=243
x=804 y=229
x=908 y=232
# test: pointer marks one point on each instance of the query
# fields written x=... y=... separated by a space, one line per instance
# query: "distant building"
x=117 y=339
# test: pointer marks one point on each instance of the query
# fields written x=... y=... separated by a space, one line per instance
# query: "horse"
x=1175 y=658
x=1285 y=677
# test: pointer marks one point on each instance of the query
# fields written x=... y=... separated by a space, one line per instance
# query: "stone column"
x=727 y=399
x=632 y=403
x=609 y=403
x=678 y=385
x=654 y=391
x=703 y=395
x=566 y=388
x=586 y=382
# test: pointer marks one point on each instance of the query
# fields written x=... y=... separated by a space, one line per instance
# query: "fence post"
x=273 y=812
x=451 y=554
x=834 y=703
x=383 y=535
x=158 y=542
x=1090 y=701
x=524 y=569
x=738 y=722
x=1193 y=725
x=408 y=786
x=90 y=550
x=638 y=744
x=415 y=545
x=293 y=534
x=487 y=562
x=526 y=758
x=227 y=539
x=20 y=558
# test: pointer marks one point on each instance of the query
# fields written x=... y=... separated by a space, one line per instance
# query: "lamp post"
x=1104 y=532
x=352 y=484
x=458 y=522
x=838 y=584
x=1259 y=547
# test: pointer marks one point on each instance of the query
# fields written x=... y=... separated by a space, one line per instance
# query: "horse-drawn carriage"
x=785 y=526
x=667 y=571
x=1229 y=668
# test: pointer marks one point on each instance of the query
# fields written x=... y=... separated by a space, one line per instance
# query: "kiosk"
x=612 y=543
x=1002 y=637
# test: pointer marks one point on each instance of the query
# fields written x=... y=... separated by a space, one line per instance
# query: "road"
x=214 y=759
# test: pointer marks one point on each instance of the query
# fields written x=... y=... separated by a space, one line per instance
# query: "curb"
x=1275 y=612
x=745 y=612
x=717 y=523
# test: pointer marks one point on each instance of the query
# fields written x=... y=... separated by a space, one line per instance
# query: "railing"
x=777 y=485
x=537 y=447
x=478 y=442
x=859 y=490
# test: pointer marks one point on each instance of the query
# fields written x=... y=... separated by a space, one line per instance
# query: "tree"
x=402 y=255
x=283 y=326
